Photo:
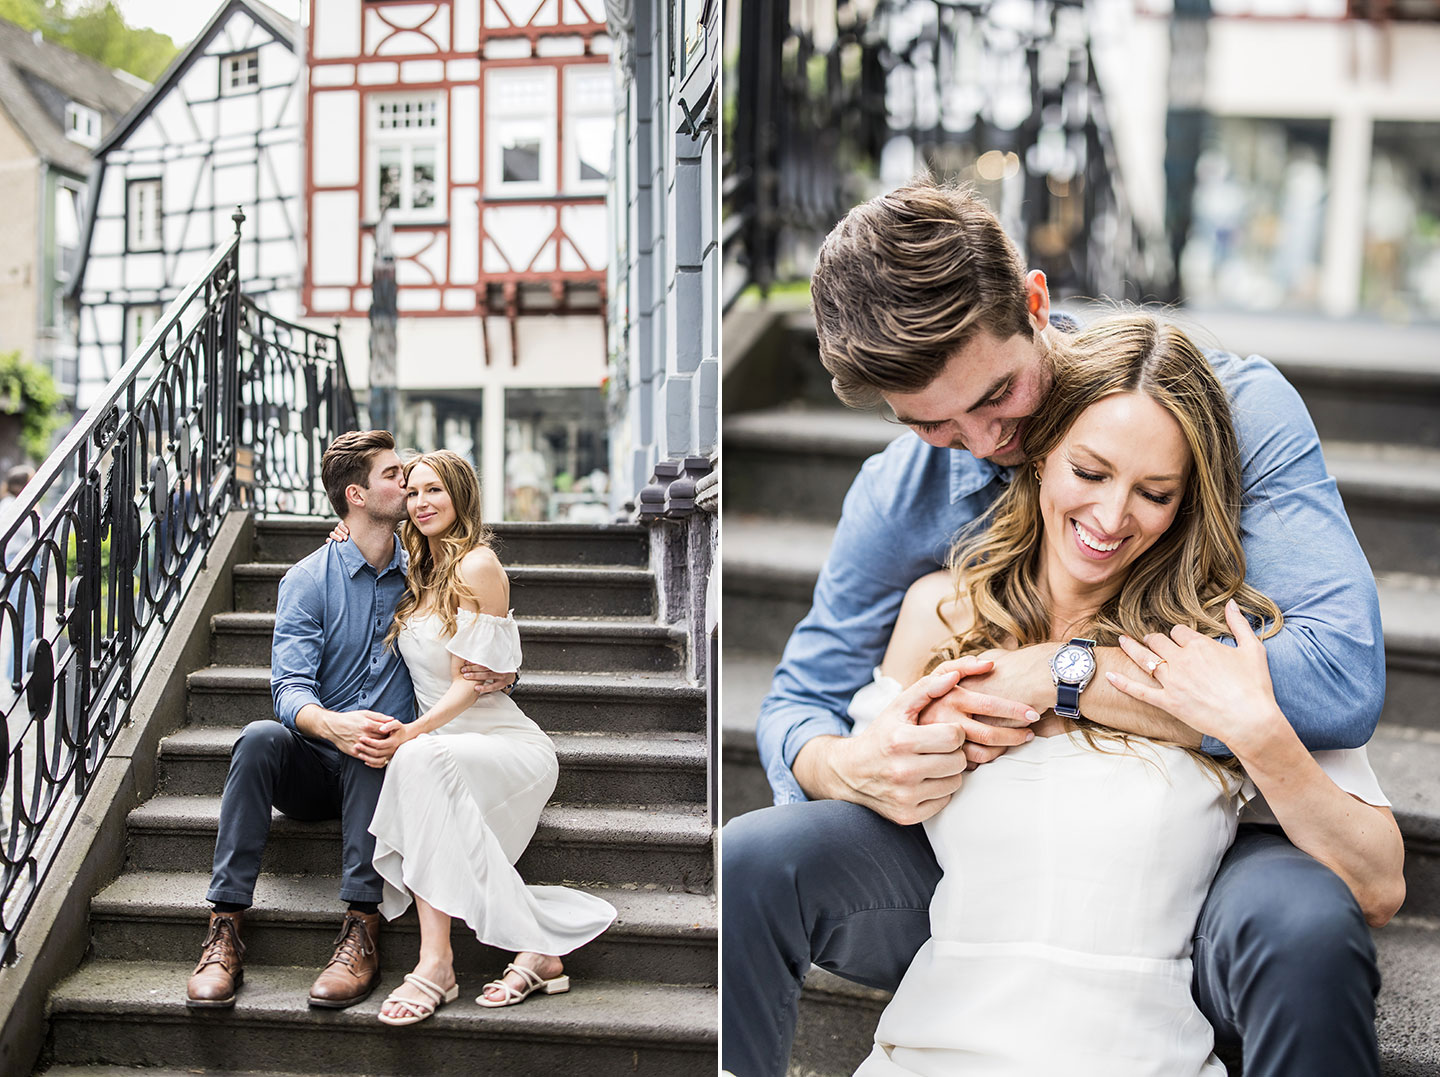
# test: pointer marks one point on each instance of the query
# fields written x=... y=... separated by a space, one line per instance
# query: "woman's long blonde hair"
x=438 y=582
x=1187 y=576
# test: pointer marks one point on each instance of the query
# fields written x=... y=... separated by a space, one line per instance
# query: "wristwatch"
x=511 y=686
x=1071 y=668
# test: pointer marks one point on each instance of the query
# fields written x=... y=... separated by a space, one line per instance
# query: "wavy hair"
x=1190 y=572
x=437 y=581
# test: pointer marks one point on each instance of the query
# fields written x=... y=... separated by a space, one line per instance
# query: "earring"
x=1037 y=474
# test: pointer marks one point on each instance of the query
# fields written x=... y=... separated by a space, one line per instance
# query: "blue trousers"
x=311 y=780
x=1284 y=962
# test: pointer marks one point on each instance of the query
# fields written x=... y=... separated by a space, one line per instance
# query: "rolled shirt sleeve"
x=1327 y=663
x=295 y=652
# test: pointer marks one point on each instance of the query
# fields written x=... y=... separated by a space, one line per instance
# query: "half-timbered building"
x=221 y=128
x=483 y=131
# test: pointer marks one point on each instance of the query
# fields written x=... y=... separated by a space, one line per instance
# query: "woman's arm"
x=1225 y=692
x=483 y=574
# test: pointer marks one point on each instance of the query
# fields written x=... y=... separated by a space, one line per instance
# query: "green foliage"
x=27 y=390
x=96 y=29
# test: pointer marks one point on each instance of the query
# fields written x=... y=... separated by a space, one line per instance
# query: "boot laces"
x=352 y=943
x=213 y=950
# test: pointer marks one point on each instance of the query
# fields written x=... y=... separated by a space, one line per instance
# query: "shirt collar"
x=354 y=560
x=969 y=475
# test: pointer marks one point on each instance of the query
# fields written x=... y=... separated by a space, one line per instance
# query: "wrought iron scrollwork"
x=229 y=407
x=1000 y=92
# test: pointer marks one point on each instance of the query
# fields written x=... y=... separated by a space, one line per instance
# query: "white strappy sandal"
x=418 y=1010
x=533 y=982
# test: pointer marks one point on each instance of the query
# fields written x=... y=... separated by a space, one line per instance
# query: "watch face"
x=1074 y=664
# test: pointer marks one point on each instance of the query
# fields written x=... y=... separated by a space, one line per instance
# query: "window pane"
x=1401 y=272
x=391 y=168
x=593 y=148
x=521 y=160
x=422 y=178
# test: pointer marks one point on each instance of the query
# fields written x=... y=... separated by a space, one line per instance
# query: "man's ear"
x=355 y=495
x=1037 y=299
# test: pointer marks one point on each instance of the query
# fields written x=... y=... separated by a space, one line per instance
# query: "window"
x=139 y=321
x=240 y=73
x=142 y=215
x=82 y=124
x=67 y=230
x=520 y=130
x=407 y=136
x=589 y=127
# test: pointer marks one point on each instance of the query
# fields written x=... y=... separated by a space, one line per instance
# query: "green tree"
x=95 y=29
x=27 y=390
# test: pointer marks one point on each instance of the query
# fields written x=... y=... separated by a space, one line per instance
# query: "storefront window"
x=1256 y=238
x=1401 y=273
x=556 y=455
x=437 y=419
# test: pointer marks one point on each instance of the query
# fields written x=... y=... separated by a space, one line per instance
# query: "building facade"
x=220 y=129
x=663 y=393
x=483 y=132
x=55 y=108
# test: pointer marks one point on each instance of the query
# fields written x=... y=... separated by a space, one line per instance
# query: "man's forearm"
x=313 y=721
x=812 y=768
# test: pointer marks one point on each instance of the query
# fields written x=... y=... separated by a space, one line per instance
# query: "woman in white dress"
x=464 y=791
x=1075 y=866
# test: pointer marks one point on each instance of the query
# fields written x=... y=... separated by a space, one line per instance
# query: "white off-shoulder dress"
x=460 y=804
x=1062 y=927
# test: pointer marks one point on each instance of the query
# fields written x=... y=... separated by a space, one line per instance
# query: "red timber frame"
x=496 y=292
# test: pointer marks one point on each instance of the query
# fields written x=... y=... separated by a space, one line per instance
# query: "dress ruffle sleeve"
x=866 y=704
x=487 y=640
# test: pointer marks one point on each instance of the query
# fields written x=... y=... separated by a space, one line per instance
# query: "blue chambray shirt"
x=331 y=618
x=910 y=501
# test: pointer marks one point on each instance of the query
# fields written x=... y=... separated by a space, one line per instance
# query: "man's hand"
x=361 y=734
x=989 y=702
x=485 y=681
x=897 y=767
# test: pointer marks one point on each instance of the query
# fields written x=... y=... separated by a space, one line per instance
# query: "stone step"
x=600 y=702
x=244 y=639
x=747 y=682
x=594 y=768
x=796 y=460
x=536 y=591
x=659 y=935
x=1392 y=495
x=133 y=1013
x=838 y=1018
x=287 y=540
x=1410 y=612
x=664 y=844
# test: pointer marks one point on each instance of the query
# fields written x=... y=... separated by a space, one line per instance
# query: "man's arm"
x=1328 y=660
x=896 y=526
x=295 y=674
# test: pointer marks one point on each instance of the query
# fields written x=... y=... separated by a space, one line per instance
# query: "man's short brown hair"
x=348 y=461
x=904 y=281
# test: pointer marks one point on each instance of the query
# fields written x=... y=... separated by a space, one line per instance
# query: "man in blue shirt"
x=334 y=684
x=922 y=303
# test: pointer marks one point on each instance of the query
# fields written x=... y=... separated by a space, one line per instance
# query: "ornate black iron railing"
x=1004 y=94
x=222 y=406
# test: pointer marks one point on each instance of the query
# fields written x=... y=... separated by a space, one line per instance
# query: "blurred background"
x=1268 y=171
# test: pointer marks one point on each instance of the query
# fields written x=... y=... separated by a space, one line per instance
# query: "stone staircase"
x=1374 y=393
x=628 y=821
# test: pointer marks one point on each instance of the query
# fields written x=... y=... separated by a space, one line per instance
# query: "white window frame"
x=390 y=131
x=138 y=237
x=68 y=209
x=526 y=109
x=239 y=64
x=82 y=124
x=140 y=318
x=585 y=108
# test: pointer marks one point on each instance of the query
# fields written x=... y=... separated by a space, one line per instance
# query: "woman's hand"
x=1223 y=692
x=339 y=534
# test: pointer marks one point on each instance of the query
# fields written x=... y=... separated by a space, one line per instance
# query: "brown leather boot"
x=222 y=964
x=354 y=969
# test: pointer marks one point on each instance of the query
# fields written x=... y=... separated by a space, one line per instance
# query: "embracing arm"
x=485 y=577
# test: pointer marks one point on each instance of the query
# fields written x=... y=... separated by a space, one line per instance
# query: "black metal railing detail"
x=103 y=544
x=1004 y=95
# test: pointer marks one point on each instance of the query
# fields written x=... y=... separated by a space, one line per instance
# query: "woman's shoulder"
x=935 y=598
x=485 y=577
